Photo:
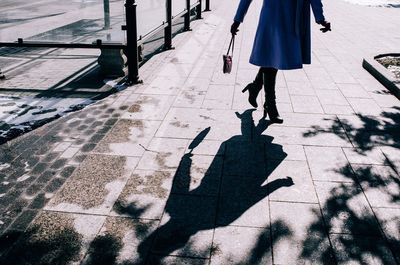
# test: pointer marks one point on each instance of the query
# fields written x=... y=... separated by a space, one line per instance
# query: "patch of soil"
x=392 y=64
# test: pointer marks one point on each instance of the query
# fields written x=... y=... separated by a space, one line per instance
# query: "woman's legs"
x=254 y=88
x=269 y=78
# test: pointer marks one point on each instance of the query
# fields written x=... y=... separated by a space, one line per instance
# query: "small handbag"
x=228 y=58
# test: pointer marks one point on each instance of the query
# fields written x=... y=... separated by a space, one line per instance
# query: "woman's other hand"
x=326 y=26
x=235 y=27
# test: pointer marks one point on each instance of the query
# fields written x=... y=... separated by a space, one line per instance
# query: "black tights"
x=267 y=76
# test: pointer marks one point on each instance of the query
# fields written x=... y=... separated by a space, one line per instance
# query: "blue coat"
x=283 y=37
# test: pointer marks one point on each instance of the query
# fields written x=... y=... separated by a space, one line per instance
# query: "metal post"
x=198 y=10
x=106 y=14
x=132 y=44
x=207 y=6
x=168 y=28
x=187 y=17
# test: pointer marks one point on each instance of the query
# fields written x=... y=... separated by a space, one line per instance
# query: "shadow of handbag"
x=228 y=58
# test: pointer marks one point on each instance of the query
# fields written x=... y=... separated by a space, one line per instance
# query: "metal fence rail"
x=131 y=46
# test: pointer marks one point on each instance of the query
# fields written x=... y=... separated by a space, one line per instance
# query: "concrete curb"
x=382 y=74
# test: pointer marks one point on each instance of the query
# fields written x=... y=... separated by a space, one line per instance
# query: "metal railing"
x=131 y=46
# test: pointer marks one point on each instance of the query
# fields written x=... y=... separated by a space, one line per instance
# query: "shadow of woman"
x=240 y=181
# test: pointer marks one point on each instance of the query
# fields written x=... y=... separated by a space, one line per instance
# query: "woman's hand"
x=235 y=27
x=326 y=26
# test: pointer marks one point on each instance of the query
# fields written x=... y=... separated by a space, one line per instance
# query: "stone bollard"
x=112 y=62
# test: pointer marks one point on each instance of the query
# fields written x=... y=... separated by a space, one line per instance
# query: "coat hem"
x=279 y=67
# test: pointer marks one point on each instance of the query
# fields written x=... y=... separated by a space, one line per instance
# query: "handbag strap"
x=231 y=44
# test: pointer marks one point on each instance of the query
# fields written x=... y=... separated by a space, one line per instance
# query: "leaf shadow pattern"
x=355 y=231
x=60 y=248
x=263 y=244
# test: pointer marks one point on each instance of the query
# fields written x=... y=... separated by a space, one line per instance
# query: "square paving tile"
x=365 y=106
x=380 y=185
x=390 y=220
x=123 y=240
x=301 y=189
x=168 y=84
x=149 y=107
x=243 y=209
x=338 y=109
x=300 y=88
x=358 y=156
x=128 y=137
x=285 y=152
x=323 y=121
x=198 y=175
x=298 y=234
x=241 y=245
x=167 y=260
x=144 y=195
x=163 y=154
x=306 y=104
x=331 y=97
x=393 y=155
x=307 y=136
x=346 y=209
x=353 y=91
x=196 y=84
x=328 y=164
x=244 y=158
x=190 y=99
x=209 y=147
x=361 y=250
x=187 y=227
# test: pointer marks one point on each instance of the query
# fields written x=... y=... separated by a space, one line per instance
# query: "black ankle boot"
x=254 y=89
x=272 y=111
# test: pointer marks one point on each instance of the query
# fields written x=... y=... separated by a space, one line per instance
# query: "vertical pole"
x=131 y=39
x=187 y=17
x=106 y=14
x=198 y=10
x=168 y=29
x=207 y=6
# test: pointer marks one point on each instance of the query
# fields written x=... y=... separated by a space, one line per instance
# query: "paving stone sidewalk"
x=179 y=170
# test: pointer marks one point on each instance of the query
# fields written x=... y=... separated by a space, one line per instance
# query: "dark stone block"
x=88 y=147
x=24 y=220
x=54 y=185
x=96 y=138
x=82 y=127
x=111 y=122
x=59 y=163
x=15 y=208
x=80 y=158
x=79 y=141
x=89 y=132
x=39 y=202
x=97 y=123
x=46 y=176
x=39 y=168
x=25 y=184
x=34 y=189
x=9 y=198
x=50 y=157
x=104 y=129
x=67 y=171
